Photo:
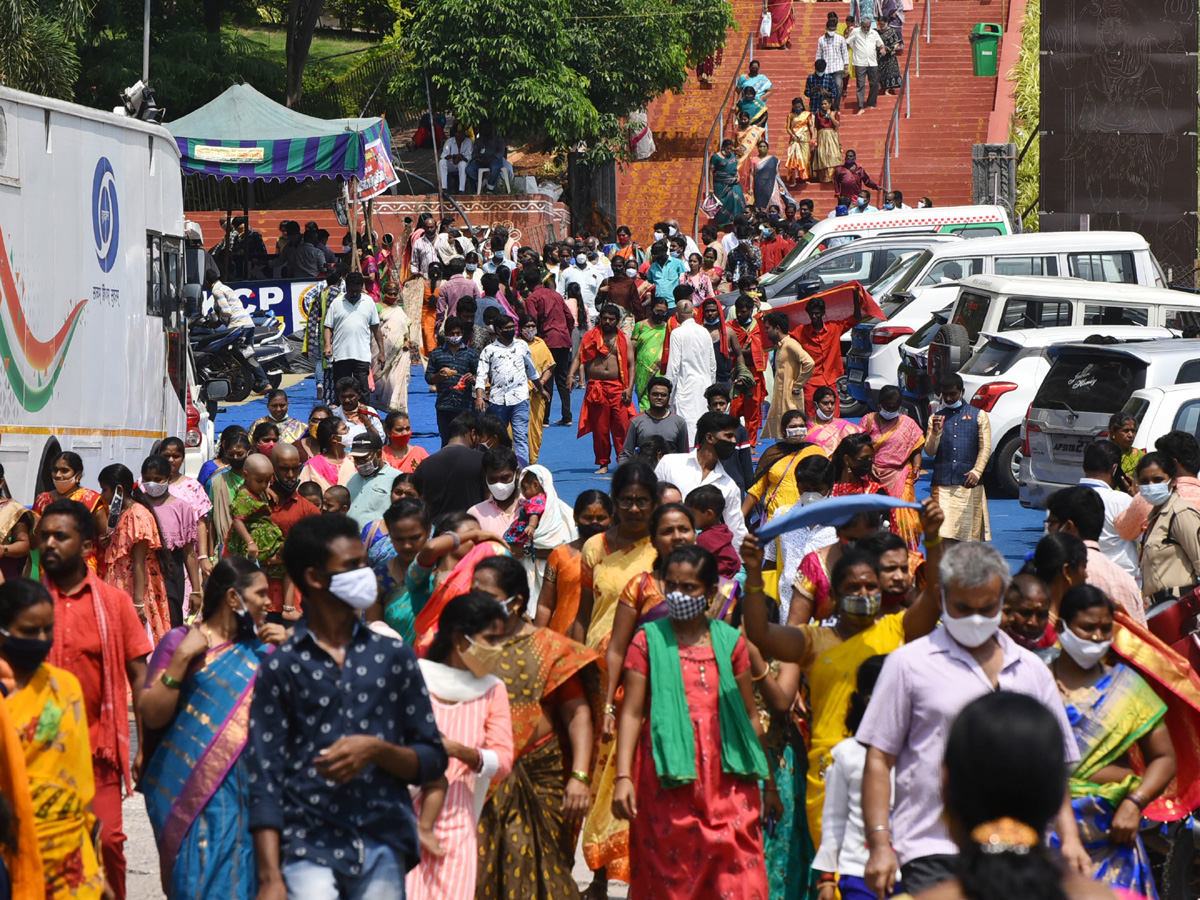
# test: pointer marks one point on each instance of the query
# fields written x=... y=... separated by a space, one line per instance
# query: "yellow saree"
x=48 y=714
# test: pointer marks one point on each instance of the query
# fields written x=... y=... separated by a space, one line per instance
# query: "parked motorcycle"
x=218 y=354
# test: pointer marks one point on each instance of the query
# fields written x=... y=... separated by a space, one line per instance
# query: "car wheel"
x=850 y=407
x=1007 y=466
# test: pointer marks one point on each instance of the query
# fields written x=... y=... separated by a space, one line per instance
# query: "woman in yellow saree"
x=802 y=138
x=746 y=140
x=46 y=706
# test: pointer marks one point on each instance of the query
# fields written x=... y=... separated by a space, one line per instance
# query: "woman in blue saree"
x=1112 y=709
x=725 y=185
x=196 y=709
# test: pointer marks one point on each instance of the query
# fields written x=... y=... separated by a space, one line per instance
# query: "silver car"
x=1085 y=385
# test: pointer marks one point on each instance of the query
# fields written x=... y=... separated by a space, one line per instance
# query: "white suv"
x=1002 y=377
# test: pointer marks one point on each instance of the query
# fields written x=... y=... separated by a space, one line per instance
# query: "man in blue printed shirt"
x=340 y=726
x=451 y=370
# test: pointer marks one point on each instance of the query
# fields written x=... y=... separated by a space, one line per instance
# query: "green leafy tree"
x=191 y=61
x=568 y=70
x=37 y=45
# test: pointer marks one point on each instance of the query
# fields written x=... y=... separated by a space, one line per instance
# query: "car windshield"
x=787 y=262
x=885 y=284
x=993 y=358
x=1081 y=383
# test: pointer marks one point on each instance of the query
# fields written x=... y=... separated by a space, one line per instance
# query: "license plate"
x=1067 y=447
x=857 y=376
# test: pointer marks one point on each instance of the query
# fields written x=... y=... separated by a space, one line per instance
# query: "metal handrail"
x=891 y=143
x=717 y=129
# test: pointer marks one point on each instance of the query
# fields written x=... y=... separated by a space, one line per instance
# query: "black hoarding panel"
x=1118 y=120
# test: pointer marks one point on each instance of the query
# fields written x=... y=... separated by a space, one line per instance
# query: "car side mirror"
x=218 y=389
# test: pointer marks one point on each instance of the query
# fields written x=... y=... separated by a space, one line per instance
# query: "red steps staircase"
x=950 y=107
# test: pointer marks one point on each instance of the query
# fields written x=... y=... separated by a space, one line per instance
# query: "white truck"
x=92 y=334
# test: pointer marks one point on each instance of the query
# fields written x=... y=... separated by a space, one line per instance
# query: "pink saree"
x=893 y=450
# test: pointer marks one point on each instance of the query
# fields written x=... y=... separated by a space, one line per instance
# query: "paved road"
x=1015 y=531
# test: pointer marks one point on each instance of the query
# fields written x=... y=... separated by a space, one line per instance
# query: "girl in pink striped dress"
x=471 y=708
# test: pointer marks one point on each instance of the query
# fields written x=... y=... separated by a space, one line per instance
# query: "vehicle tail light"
x=885 y=334
x=985 y=398
x=1027 y=428
x=192 y=439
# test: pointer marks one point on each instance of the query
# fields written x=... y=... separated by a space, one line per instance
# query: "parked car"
x=965 y=221
x=1003 y=376
x=863 y=261
x=1170 y=407
x=1086 y=384
x=990 y=304
x=1111 y=256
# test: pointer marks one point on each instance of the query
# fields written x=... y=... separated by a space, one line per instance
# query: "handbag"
x=710 y=205
x=764 y=27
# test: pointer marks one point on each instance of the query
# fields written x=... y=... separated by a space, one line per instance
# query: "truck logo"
x=106 y=220
x=28 y=361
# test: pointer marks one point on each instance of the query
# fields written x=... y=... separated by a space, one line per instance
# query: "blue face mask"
x=889 y=206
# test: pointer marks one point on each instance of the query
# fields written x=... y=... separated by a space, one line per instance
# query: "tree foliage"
x=570 y=70
x=190 y=62
x=37 y=45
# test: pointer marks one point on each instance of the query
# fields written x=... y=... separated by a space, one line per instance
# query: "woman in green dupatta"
x=1112 y=709
x=224 y=484
x=725 y=184
x=693 y=799
x=648 y=339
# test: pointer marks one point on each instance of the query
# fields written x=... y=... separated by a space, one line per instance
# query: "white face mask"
x=1155 y=494
x=1085 y=653
x=970 y=631
x=672 y=230
x=155 y=489
x=502 y=491
x=658 y=235
x=810 y=497
x=631 y=273
x=920 y=204
x=889 y=414
x=357 y=588
x=581 y=260
x=824 y=416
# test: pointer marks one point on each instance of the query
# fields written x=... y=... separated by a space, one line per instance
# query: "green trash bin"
x=985 y=45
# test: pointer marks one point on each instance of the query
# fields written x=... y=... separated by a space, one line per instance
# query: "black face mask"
x=862 y=467
x=237 y=464
x=285 y=488
x=25 y=654
x=246 y=629
x=724 y=449
x=590 y=531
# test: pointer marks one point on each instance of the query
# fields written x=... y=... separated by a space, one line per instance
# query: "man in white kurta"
x=691 y=367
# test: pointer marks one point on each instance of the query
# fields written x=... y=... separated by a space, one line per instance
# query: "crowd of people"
x=355 y=667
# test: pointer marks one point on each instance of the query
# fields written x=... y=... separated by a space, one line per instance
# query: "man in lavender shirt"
x=922 y=688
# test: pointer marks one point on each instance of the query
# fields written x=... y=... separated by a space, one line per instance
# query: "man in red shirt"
x=752 y=338
x=99 y=639
x=823 y=342
x=287 y=508
x=774 y=247
x=554 y=324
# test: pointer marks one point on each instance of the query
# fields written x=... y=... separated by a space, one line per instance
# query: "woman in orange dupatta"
x=528 y=826
x=19 y=853
x=1177 y=684
x=66 y=471
x=558 y=603
x=898 y=441
x=442 y=571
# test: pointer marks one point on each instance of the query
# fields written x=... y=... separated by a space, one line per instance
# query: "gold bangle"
x=582 y=776
x=755 y=588
x=765 y=673
x=610 y=708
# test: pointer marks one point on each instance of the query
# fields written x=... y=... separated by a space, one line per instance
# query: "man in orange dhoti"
x=747 y=405
x=607 y=357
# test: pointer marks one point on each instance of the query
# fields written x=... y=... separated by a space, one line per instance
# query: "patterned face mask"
x=682 y=607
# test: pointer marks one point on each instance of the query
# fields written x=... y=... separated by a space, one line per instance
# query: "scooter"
x=219 y=354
